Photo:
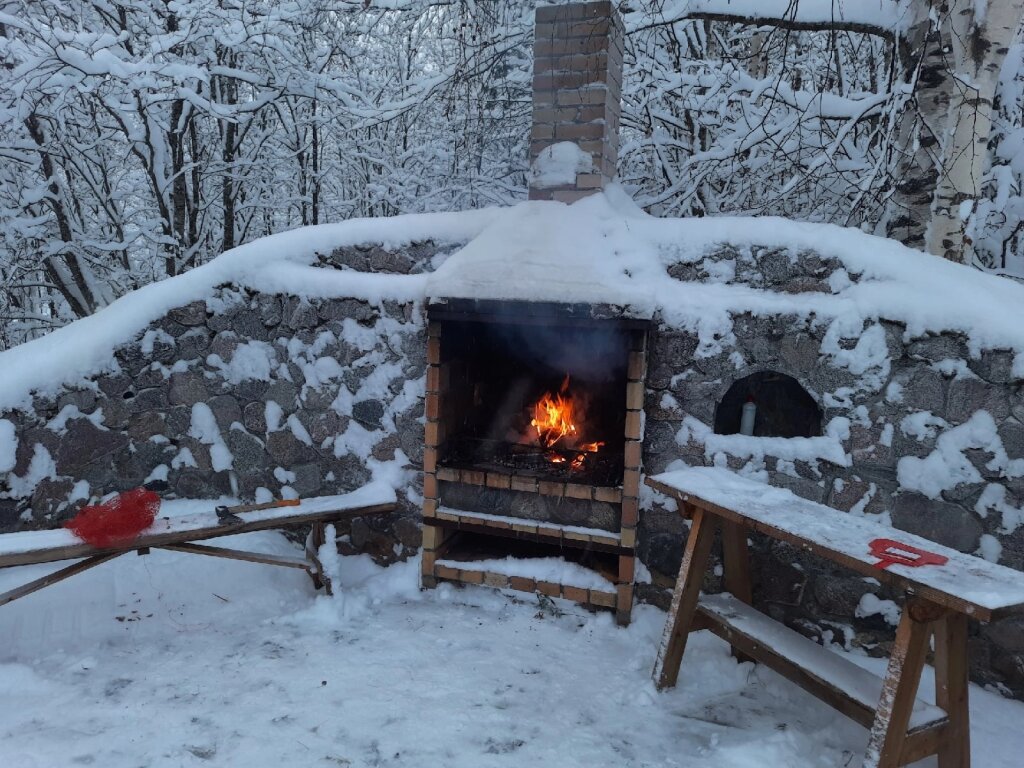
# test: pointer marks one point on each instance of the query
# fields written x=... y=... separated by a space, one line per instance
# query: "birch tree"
x=980 y=37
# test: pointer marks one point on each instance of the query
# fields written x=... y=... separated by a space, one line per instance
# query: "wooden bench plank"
x=30 y=547
x=842 y=684
x=243 y=555
x=967 y=583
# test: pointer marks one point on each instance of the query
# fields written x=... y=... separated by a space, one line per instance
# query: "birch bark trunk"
x=923 y=58
x=981 y=34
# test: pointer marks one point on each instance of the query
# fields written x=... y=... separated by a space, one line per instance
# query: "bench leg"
x=736 y=561
x=951 y=685
x=899 y=689
x=736 y=568
x=314 y=541
x=684 y=599
x=52 y=578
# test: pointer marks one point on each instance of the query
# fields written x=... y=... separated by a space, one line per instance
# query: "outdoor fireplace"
x=534 y=410
x=541 y=401
x=533 y=433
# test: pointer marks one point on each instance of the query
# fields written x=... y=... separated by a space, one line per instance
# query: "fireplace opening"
x=534 y=418
x=782 y=407
x=540 y=400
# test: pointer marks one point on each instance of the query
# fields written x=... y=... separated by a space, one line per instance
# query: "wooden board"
x=29 y=547
x=533 y=530
x=967 y=584
x=244 y=556
x=832 y=678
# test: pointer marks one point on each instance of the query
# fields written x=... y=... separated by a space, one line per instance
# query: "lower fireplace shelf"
x=573 y=536
x=582 y=572
x=463 y=572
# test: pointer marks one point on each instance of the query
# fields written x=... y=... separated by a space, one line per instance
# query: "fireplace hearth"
x=544 y=400
x=533 y=433
x=599 y=467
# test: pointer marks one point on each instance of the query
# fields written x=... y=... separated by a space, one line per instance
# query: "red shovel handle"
x=891 y=552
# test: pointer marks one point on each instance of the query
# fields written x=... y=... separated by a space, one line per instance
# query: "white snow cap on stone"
x=204 y=429
x=602 y=249
x=557 y=165
x=8 y=445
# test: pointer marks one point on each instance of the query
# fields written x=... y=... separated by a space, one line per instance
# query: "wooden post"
x=899 y=689
x=736 y=561
x=951 y=685
x=684 y=599
x=314 y=541
x=736 y=568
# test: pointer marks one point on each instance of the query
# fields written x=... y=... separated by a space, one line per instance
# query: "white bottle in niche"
x=747 y=418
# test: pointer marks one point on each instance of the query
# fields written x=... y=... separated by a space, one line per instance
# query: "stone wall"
x=887 y=401
x=261 y=396
x=247 y=395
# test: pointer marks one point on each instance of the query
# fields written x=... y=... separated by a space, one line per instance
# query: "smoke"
x=502 y=366
x=594 y=355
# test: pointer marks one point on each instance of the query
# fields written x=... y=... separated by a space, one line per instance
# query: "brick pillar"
x=577 y=84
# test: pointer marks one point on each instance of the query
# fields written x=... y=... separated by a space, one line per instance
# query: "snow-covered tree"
x=143 y=137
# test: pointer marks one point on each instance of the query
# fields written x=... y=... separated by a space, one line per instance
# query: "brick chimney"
x=577 y=83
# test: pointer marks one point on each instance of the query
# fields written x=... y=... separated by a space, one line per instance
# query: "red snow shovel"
x=892 y=552
x=118 y=521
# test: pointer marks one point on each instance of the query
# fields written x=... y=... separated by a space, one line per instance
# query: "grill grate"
x=603 y=468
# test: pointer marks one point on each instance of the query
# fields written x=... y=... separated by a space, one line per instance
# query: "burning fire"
x=554 y=419
x=553 y=416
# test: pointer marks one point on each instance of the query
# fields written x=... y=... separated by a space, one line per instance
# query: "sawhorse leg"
x=899 y=689
x=684 y=599
x=951 y=684
x=52 y=578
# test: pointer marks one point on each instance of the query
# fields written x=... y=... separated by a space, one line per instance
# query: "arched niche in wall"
x=784 y=407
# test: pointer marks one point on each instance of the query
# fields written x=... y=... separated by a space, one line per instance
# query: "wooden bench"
x=939 y=600
x=180 y=534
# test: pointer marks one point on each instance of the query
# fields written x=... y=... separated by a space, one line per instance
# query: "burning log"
x=554 y=419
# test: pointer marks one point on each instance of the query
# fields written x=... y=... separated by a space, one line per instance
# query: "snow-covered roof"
x=602 y=249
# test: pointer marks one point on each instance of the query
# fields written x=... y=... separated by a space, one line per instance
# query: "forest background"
x=140 y=138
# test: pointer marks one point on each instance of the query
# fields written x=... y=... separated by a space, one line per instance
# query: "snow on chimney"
x=577 y=83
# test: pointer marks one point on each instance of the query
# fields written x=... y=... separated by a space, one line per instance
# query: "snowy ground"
x=178 y=660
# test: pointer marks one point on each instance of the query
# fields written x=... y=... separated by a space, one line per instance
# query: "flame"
x=553 y=416
x=554 y=419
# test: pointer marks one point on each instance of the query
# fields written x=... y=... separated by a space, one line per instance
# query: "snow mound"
x=602 y=249
x=558 y=165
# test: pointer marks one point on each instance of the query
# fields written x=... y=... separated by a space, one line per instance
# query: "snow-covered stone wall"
x=295 y=366
x=246 y=395
x=917 y=431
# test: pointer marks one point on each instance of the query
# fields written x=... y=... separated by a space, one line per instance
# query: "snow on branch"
x=885 y=18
